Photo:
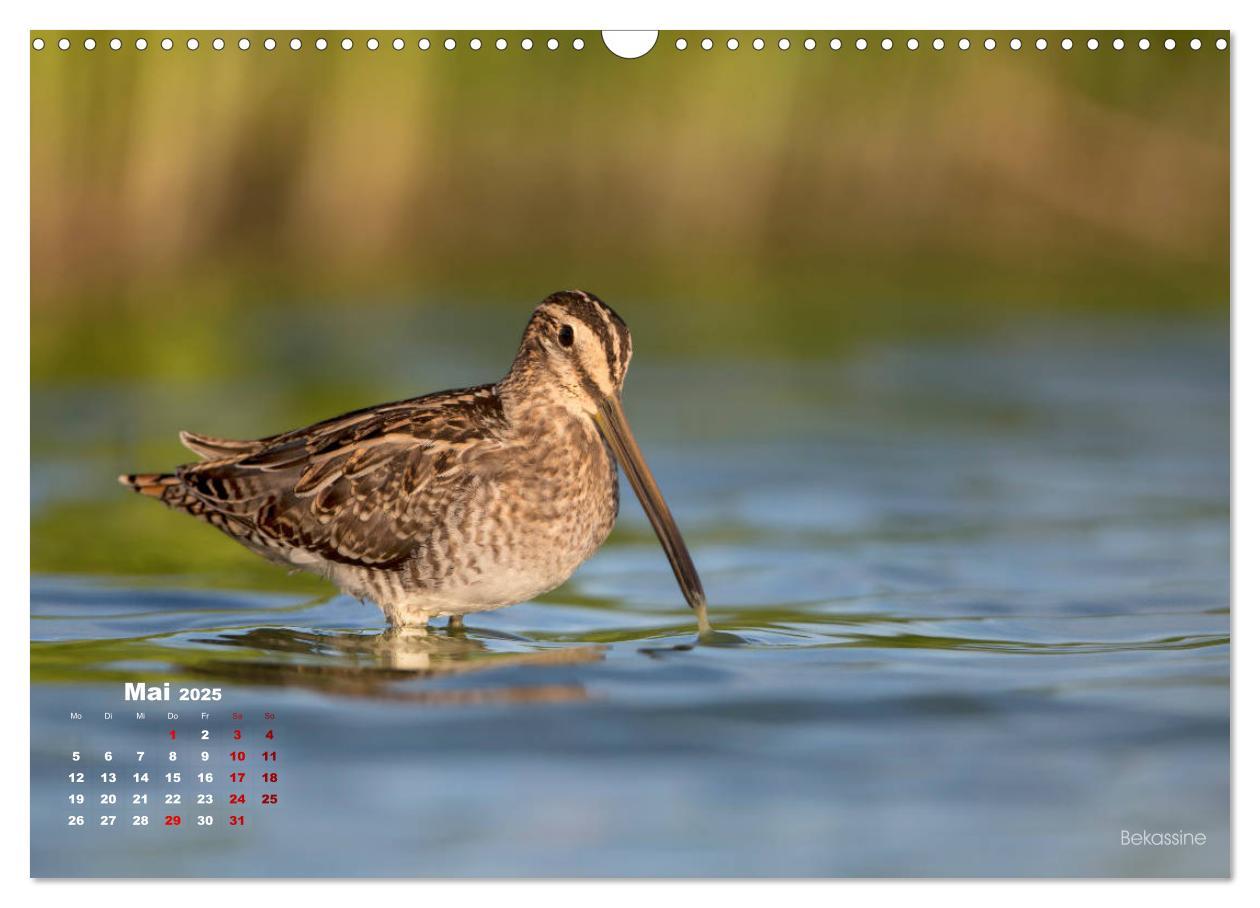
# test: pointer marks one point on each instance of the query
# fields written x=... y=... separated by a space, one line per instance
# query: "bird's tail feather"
x=165 y=486
x=171 y=490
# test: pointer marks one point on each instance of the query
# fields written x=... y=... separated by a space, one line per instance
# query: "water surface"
x=976 y=589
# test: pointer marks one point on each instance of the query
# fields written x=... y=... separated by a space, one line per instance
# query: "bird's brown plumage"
x=362 y=489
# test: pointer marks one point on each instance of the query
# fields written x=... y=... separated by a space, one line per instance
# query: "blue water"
x=977 y=599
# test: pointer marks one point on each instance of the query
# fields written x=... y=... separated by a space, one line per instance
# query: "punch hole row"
x=296 y=44
x=552 y=44
x=990 y=44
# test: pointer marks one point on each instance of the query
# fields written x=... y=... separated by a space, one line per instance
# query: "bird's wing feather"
x=366 y=488
x=208 y=447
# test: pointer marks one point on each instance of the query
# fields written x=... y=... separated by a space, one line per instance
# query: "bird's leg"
x=455 y=623
x=398 y=615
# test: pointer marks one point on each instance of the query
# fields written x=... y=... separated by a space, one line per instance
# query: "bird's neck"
x=532 y=400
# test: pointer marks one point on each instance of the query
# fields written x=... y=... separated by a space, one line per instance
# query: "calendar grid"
x=202 y=768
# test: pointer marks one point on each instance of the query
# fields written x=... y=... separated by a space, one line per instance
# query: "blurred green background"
x=239 y=241
x=847 y=186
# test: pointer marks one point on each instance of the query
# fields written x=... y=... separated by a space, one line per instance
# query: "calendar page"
x=664 y=454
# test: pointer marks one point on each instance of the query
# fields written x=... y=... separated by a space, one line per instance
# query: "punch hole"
x=552 y=44
x=38 y=44
x=399 y=44
x=243 y=44
x=1066 y=44
x=630 y=45
x=938 y=44
x=1221 y=44
x=990 y=44
x=1118 y=44
x=810 y=43
x=784 y=44
x=681 y=44
x=963 y=43
x=886 y=44
x=578 y=44
x=1042 y=44
x=217 y=44
x=1170 y=44
x=500 y=44
x=1195 y=43
x=373 y=44
x=167 y=44
x=270 y=44
x=193 y=44
x=732 y=44
x=1092 y=44
x=115 y=44
x=295 y=44
x=527 y=43
x=90 y=44
x=913 y=44
x=141 y=44
x=1016 y=44
x=861 y=44
x=449 y=43
x=835 y=43
x=424 y=44
x=475 y=44
x=64 y=44
x=1144 y=44
x=321 y=44
x=707 y=44
x=758 y=44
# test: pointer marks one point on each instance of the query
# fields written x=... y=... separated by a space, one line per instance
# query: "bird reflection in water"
x=378 y=665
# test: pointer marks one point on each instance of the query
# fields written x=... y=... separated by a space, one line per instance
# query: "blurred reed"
x=171 y=190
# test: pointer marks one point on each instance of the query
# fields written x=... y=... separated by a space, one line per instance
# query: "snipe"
x=454 y=502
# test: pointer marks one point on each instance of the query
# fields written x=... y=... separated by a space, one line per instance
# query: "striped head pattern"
x=581 y=343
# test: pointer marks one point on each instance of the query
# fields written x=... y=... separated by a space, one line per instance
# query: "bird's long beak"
x=611 y=420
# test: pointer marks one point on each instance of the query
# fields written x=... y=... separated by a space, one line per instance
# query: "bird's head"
x=580 y=346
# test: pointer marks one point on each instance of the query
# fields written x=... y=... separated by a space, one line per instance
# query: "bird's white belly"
x=496 y=587
x=506 y=587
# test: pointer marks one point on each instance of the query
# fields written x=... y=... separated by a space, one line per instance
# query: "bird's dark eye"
x=566 y=336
